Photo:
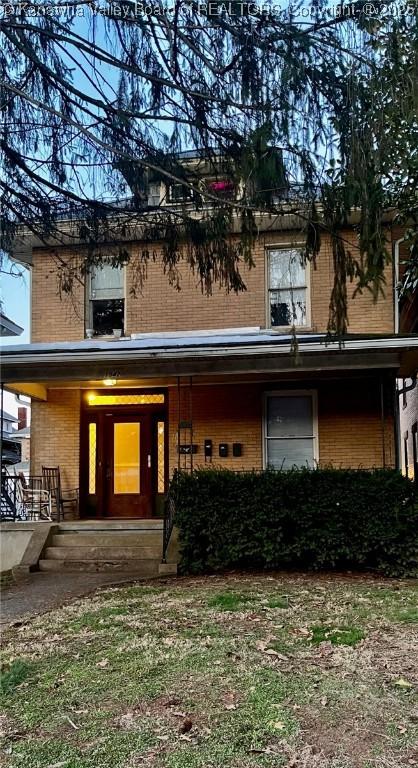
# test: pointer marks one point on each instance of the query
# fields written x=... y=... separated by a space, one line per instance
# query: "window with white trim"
x=287 y=288
x=290 y=439
x=106 y=299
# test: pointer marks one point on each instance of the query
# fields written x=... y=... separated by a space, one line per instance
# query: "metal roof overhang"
x=255 y=353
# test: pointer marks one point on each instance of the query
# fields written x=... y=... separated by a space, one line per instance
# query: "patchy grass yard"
x=293 y=671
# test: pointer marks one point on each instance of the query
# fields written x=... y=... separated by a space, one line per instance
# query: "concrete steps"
x=122 y=539
x=103 y=553
x=138 y=568
x=104 y=546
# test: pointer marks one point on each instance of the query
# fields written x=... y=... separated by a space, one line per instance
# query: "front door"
x=128 y=466
x=123 y=455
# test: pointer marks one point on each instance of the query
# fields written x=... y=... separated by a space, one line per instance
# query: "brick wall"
x=56 y=316
x=408 y=417
x=349 y=424
x=223 y=414
x=55 y=434
x=25 y=448
x=350 y=429
x=159 y=306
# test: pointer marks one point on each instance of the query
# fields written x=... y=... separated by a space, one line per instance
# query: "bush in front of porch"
x=309 y=519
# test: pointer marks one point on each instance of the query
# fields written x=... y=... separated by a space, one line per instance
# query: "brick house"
x=199 y=381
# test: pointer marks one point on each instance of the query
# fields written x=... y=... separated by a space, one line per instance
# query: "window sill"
x=289 y=328
x=106 y=337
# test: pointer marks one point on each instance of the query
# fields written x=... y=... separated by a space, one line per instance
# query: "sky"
x=15 y=297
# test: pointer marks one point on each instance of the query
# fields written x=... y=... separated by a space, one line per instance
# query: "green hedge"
x=310 y=519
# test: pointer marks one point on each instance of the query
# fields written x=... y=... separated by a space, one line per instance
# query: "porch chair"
x=33 y=502
x=62 y=498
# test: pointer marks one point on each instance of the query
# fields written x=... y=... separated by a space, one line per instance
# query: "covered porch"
x=118 y=417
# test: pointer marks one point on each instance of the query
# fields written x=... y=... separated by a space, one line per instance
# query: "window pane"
x=107 y=282
x=288 y=453
x=289 y=416
x=94 y=399
x=288 y=307
x=126 y=456
x=92 y=458
x=286 y=269
x=161 y=456
x=107 y=315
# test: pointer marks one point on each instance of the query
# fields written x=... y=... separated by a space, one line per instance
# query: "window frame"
x=286 y=247
x=89 y=300
x=313 y=393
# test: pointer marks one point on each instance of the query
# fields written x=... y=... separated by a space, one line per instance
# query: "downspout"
x=397 y=426
x=408 y=387
x=396 y=278
x=398 y=394
x=382 y=420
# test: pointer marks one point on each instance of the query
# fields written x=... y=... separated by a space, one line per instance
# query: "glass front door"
x=123 y=458
x=128 y=466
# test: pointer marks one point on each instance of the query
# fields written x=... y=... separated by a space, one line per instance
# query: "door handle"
x=149 y=461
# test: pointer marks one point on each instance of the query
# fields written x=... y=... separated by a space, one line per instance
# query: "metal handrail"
x=169 y=515
x=24 y=499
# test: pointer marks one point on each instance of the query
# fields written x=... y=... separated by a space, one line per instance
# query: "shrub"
x=322 y=518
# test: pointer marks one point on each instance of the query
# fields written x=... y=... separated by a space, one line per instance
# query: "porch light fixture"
x=109 y=382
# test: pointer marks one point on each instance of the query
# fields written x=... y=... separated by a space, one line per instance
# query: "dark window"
x=106 y=300
x=178 y=193
x=107 y=315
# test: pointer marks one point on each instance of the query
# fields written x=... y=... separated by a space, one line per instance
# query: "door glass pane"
x=126 y=458
x=289 y=416
x=285 y=454
x=161 y=457
x=92 y=457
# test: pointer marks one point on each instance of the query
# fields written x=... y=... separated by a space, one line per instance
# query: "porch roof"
x=205 y=352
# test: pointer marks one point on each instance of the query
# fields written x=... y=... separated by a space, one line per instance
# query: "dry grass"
x=236 y=671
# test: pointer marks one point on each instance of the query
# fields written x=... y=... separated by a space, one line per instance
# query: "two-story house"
x=128 y=386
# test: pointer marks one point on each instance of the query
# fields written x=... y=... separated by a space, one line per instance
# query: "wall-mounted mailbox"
x=223 y=450
x=208 y=449
x=186 y=449
x=237 y=449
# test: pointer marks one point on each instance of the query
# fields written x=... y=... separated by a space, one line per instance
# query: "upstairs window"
x=106 y=300
x=287 y=289
x=179 y=193
x=290 y=430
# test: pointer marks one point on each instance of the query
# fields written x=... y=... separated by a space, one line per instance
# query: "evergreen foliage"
x=318 y=519
x=312 y=114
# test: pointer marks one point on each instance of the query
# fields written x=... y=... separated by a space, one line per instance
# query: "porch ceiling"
x=87 y=363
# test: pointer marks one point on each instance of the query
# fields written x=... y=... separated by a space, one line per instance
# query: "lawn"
x=237 y=671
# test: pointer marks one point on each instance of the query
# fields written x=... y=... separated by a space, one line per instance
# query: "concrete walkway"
x=41 y=592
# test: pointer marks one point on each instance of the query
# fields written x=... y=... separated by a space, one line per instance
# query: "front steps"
x=127 y=546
